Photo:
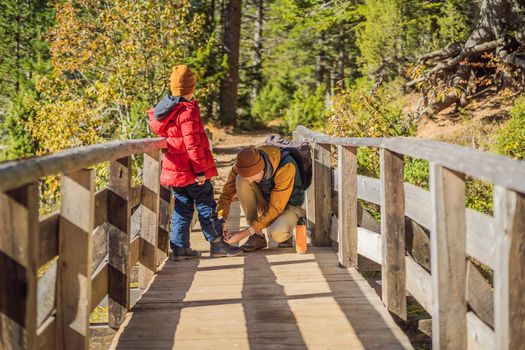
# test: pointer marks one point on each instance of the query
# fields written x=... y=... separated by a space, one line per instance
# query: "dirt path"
x=225 y=148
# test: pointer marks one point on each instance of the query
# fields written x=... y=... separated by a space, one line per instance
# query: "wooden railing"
x=91 y=235
x=467 y=312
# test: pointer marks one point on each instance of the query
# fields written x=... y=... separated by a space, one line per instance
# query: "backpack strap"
x=284 y=153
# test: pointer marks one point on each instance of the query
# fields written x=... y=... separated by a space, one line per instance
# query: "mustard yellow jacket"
x=284 y=178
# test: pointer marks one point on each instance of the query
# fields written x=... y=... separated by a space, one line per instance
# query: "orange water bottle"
x=300 y=236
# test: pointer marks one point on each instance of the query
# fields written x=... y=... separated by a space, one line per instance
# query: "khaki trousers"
x=253 y=204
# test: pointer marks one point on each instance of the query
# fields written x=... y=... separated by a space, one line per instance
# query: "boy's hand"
x=200 y=180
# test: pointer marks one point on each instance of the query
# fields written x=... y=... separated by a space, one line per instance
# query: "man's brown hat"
x=249 y=162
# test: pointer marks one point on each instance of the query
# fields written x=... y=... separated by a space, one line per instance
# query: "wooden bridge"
x=272 y=298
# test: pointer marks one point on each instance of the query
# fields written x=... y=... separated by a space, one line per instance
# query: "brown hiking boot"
x=256 y=241
x=286 y=244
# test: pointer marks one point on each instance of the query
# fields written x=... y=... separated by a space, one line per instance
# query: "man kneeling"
x=268 y=184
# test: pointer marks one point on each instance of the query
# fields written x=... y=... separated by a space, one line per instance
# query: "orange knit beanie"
x=182 y=81
x=249 y=162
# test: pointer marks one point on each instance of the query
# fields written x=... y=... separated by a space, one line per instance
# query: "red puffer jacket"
x=188 y=154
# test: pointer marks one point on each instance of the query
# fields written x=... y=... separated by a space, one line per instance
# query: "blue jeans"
x=185 y=199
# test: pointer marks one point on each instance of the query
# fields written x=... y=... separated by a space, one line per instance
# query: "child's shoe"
x=221 y=249
x=179 y=253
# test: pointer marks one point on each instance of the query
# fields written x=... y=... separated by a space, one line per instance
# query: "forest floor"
x=472 y=126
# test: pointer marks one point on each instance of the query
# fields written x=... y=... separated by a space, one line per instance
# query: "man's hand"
x=237 y=236
x=200 y=180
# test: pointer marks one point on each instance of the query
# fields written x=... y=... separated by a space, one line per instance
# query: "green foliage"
x=103 y=64
x=479 y=195
x=370 y=111
x=18 y=141
x=306 y=108
x=111 y=61
x=24 y=53
x=379 y=35
x=24 y=50
x=511 y=137
x=210 y=65
x=395 y=32
x=453 y=25
x=416 y=172
x=301 y=41
x=273 y=100
x=99 y=315
x=368 y=161
x=392 y=32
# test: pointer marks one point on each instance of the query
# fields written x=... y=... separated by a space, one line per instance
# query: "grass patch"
x=371 y=274
x=414 y=309
x=99 y=315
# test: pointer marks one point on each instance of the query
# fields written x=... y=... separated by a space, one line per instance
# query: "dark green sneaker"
x=221 y=249
x=255 y=242
x=178 y=254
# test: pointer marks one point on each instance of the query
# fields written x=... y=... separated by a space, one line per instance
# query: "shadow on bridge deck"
x=270 y=299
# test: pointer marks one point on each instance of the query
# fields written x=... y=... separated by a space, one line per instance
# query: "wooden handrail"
x=497 y=169
x=90 y=235
x=456 y=232
x=14 y=174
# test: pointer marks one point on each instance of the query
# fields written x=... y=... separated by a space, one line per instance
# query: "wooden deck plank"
x=269 y=299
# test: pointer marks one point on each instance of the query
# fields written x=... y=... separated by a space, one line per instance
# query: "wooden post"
x=77 y=216
x=509 y=274
x=308 y=205
x=322 y=201
x=163 y=238
x=18 y=267
x=150 y=217
x=347 y=205
x=448 y=259
x=119 y=215
x=393 y=270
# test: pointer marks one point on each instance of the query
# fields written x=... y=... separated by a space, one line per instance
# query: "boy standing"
x=187 y=167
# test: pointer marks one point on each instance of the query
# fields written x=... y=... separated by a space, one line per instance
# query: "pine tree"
x=258 y=47
x=24 y=53
x=308 y=45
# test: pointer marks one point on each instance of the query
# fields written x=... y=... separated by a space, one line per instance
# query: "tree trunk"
x=211 y=13
x=320 y=67
x=18 y=55
x=257 y=46
x=500 y=31
x=341 y=60
x=231 y=39
x=211 y=98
